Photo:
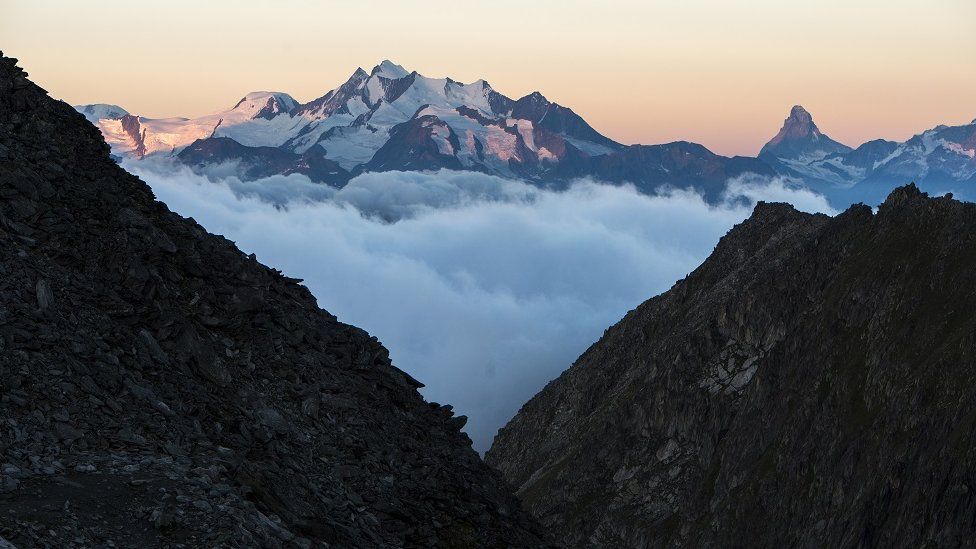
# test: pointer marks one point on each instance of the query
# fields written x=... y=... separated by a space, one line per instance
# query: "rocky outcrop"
x=812 y=384
x=137 y=134
x=424 y=143
x=160 y=388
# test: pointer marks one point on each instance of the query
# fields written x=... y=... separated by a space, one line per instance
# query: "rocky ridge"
x=811 y=384
x=159 y=388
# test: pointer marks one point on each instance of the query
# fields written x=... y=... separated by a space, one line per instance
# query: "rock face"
x=158 y=387
x=800 y=138
x=811 y=384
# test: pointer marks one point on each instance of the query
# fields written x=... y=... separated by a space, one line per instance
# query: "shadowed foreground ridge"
x=158 y=387
x=811 y=384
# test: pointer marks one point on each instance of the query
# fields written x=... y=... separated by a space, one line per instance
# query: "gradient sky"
x=720 y=73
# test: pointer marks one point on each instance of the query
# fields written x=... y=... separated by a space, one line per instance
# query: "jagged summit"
x=377 y=121
x=800 y=140
x=160 y=388
x=798 y=124
x=806 y=382
x=798 y=112
x=906 y=196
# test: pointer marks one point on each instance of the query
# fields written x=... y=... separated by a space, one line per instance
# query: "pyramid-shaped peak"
x=801 y=138
x=357 y=78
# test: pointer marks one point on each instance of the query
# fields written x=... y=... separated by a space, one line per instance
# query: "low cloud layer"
x=482 y=288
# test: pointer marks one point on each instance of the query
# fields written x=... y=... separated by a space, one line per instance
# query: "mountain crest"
x=101 y=111
x=389 y=69
x=800 y=139
x=903 y=196
x=685 y=394
x=265 y=104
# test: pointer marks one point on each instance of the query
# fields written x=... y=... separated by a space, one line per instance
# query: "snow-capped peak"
x=101 y=111
x=389 y=69
x=390 y=112
x=264 y=95
x=264 y=104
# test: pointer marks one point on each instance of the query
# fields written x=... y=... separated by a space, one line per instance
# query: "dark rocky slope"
x=812 y=384
x=158 y=387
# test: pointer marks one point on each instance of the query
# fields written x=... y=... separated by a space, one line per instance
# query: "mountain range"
x=160 y=388
x=941 y=159
x=394 y=119
x=810 y=384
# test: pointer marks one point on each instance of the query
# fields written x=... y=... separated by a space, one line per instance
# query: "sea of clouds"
x=482 y=288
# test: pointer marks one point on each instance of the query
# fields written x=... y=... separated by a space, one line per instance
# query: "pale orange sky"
x=717 y=72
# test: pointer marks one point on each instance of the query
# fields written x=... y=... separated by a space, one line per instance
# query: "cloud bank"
x=482 y=288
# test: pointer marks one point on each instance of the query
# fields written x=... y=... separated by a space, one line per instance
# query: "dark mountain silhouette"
x=812 y=383
x=160 y=388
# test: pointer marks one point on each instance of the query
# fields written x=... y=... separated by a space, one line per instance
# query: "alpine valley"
x=394 y=119
x=810 y=384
